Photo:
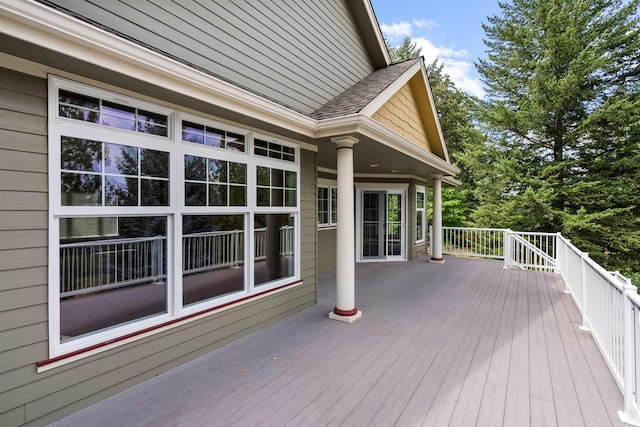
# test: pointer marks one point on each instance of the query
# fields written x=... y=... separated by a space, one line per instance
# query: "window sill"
x=55 y=362
x=327 y=227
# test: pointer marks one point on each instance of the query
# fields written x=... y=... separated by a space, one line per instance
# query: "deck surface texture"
x=463 y=343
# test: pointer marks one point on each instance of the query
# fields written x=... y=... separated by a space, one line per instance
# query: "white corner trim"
x=51 y=29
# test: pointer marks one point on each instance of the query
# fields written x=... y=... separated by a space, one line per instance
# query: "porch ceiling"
x=369 y=152
x=463 y=343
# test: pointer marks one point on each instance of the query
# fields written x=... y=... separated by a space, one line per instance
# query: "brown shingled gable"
x=358 y=96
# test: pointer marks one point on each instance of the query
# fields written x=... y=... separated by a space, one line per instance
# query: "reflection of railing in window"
x=106 y=264
x=100 y=265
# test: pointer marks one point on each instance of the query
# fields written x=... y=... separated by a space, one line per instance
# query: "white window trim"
x=330 y=185
x=423 y=190
x=176 y=148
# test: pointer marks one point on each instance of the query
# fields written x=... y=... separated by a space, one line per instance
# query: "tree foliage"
x=406 y=50
x=563 y=116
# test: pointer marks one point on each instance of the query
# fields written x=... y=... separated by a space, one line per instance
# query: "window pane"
x=79 y=189
x=117 y=115
x=192 y=132
x=79 y=107
x=291 y=199
x=217 y=195
x=334 y=205
x=235 y=141
x=120 y=191
x=277 y=197
x=120 y=159
x=277 y=178
x=291 y=181
x=112 y=272
x=154 y=163
x=237 y=195
x=212 y=256
x=237 y=173
x=195 y=194
x=80 y=154
x=419 y=225
x=214 y=137
x=154 y=192
x=264 y=197
x=264 y=176
x=195 y=168
x=274 y=247
x=152 y=123
x=420 y=200
x=217 y=171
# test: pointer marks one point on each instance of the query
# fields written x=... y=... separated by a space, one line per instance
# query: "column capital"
x=345 y=141
x=436 y=176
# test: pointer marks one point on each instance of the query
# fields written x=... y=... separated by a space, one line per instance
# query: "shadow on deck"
x=460 y=344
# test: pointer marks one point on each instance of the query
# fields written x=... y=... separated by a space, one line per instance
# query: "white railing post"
x=507 y=248
x=630 y=414
x=583 y=283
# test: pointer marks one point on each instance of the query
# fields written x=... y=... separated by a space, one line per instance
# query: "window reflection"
x=112 y=271
x=274 y=247
x=95 y=173
x=212 y=256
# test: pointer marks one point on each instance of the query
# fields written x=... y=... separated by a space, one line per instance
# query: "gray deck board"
x=460 y=344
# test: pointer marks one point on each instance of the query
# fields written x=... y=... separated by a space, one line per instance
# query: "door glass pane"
x=371 y=225
x=394 y=225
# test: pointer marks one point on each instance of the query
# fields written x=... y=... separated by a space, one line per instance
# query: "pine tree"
x=562 y=79
x=408 y=49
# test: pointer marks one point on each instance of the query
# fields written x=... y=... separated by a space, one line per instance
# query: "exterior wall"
x=401 y=114
x=326 y=250
x=28 y=397
x=23 y=240
x=328 y=58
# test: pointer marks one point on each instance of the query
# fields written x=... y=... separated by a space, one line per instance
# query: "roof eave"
x=366 y=21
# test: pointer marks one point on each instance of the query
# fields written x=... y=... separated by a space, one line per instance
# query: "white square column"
x=345 y=309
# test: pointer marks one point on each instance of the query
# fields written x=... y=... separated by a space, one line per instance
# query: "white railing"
x=482 y=242
x=608 y=302
x=610 y=308
x=107 y=264
x=533 y=251
x=90 y=266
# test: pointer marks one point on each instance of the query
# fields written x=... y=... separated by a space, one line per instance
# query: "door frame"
x=402 y=189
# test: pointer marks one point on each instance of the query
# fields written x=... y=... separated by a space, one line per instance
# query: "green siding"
x=295 y=59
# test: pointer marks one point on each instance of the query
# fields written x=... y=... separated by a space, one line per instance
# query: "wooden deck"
x=459 y=344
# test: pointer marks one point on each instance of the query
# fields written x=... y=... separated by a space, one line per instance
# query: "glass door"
x=382 y=232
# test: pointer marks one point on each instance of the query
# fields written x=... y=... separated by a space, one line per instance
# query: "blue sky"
x=449 y=30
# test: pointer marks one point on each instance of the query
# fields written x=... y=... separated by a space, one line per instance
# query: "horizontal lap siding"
x=301 y=55
x=37 y=399
x=326 y=251
x=23 y=235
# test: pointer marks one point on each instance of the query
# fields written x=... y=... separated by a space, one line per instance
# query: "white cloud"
x=396 y=32
x=457 y=63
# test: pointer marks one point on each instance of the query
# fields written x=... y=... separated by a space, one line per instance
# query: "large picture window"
x=157 y=214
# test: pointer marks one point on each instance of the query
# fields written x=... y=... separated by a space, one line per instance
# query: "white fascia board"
x=374 y=23
x=385 y=95
x=43 y=26
x=364 y=125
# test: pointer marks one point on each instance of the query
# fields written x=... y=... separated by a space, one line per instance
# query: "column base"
x=437 y=260
x=347 y=319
